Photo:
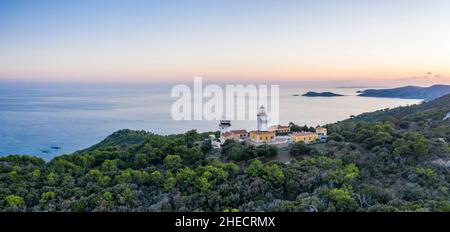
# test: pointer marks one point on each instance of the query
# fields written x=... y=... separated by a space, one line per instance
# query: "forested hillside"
x=411 y=92
x=389 y=160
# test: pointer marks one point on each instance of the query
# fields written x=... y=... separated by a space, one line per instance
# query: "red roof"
x=226 y=134
x=238 y=131
x=234 y=132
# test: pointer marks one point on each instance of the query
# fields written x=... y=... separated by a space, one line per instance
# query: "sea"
x=47 y=120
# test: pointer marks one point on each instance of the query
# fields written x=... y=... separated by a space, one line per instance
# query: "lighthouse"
x=262 y=119
x=224 y=126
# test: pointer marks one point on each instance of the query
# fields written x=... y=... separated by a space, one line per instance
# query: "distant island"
x=409 y=92
x=357 y=87
x=322 y=94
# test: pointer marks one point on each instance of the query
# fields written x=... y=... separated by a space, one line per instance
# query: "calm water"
x=35 y=118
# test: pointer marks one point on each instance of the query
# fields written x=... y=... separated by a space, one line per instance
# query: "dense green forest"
x=389 y=160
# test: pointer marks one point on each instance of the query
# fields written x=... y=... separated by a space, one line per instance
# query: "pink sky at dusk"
x=384 y=42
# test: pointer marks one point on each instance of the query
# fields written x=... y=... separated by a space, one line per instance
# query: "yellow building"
x=321 y=131
x=279 y=129
x=306 y=137
x=262 y=136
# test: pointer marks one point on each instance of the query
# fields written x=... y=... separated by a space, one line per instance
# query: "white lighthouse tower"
x=262 y=119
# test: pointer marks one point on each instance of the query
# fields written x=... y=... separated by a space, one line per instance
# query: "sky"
x=342 y=41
